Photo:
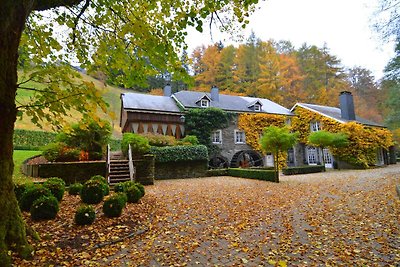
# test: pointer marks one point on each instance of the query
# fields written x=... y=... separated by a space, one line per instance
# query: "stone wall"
x=181 y=169
x=228 y=148
x=145 y=170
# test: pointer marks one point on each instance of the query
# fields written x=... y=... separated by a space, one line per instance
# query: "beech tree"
x=133 y=36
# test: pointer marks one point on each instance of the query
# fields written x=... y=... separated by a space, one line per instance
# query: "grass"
x=19 y=156
x=111 y=95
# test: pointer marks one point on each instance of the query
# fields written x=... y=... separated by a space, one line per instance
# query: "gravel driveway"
x=337 y=218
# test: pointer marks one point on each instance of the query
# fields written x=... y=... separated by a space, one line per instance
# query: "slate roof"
x=335 y=114
x=144 y=102
x=188 y=99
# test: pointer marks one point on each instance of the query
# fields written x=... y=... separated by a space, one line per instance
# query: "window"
x=312 y=155
x=239 y=137
x=216 y=137
x=315 y=126
x=204 y=103
x=257 y=107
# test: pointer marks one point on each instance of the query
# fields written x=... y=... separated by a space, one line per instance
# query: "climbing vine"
x=202 y=122
x=363 y=140
x=253 y=125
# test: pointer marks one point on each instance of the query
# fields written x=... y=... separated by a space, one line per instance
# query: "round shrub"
x=106 y=187
x=92 y=192
x=133 y=193
x=85 y=214
x=44 y=208
x=120 y=187
x=75 y=189
x=56 y=186
x=60 y=152
x=114 y=204
x=190 y=140
x=141 y=188
x=31 y=194
x=19 y=189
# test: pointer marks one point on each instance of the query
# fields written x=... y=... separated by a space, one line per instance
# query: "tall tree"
x=150 y=32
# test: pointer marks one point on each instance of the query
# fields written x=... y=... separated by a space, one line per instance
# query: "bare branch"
x=48 y=103
x=76 y=20
x=41 y=5
x=34 y=89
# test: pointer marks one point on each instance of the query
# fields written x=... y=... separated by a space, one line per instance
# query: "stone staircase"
x=118 y=169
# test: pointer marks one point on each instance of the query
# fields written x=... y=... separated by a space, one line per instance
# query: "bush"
x=120 y=187
x=56 y=186
x=139 y=144
x=179 y=153
x=92 y=192
x=217 y=172
x=60 y=152
x=31 y=194
x=266 y=175
x=87 y=135
x=85 y=214
x=123 y=186
x=114 y=204
x=141 y=189
x=189 y=140
x=19 y=189
x=106 y=187
x=303 y=169
x=159 y=139
x=44 y=208
x=133 y=193
x=75 y=189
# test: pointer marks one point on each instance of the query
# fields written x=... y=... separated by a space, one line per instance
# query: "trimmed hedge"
x=179 y=153
x=265 y=175
x=217 y=172
x=32 y=140
x=303 y=169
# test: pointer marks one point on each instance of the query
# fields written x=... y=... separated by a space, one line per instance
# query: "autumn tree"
x=149 y=34
x=277 y=140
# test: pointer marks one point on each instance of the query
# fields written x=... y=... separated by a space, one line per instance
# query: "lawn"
x=19 y=157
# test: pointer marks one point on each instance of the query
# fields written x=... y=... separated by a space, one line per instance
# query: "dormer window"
x=204 y=103
x=257 y=107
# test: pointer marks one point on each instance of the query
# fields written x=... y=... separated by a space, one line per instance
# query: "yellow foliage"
x=254 y=123
x=363 y=140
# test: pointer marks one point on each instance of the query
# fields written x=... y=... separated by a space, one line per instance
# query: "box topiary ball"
x=19 y=189
x=141 y=188
x=75 y=189
x=114 y=204
x=92 y=192
x=56 y=186
x=44 y=208
x=84 y=215
x=106 y=187
x=133 y=193
x=31 y=194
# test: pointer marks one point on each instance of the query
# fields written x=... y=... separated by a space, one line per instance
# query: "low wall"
x=181 y=169
x=71 y=172
x=144 y=170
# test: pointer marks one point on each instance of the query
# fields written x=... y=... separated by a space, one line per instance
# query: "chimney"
x=167 y=90
x=347 y=106
x=214 y=93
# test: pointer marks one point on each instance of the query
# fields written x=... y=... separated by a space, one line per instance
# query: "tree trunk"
x=276 y=166
x=13 y=14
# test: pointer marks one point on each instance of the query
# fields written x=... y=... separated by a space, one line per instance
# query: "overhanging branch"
x=41 y=5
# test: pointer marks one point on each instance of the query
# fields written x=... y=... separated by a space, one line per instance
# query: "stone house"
x=142 y=113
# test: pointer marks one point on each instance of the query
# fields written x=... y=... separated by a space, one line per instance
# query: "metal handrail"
x=108 y=162
x=131 y=167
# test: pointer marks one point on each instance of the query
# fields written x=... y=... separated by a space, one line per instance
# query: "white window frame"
x=204 y=103
x=315 y=126
x=312 y=155
x=216 y=137
x=239 y=137
x=257 y=107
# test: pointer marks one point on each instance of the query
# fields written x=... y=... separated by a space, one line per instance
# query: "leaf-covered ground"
x=346 y=218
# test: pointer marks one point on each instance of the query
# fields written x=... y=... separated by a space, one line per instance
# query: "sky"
x=345 y=26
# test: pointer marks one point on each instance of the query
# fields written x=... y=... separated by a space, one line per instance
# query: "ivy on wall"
x=363 y=140
x=253 y=125
x=201 y=122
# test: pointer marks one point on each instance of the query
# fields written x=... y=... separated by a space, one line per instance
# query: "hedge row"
x=303 y=169
x=179 y=153
x=32 y=140
x=217 y=172
x=265 y=175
